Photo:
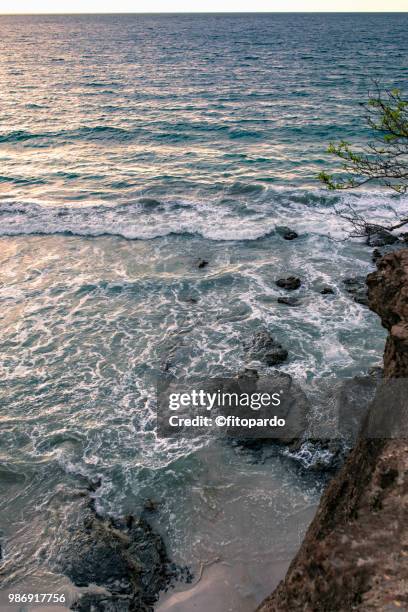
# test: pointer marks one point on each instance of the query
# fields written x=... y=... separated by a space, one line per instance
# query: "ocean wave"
x=63 y=136
x=252 y=213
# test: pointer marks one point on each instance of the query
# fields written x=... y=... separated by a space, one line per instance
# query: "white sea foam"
x=216 y=219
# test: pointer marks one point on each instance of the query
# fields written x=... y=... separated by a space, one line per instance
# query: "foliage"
x=383 y=161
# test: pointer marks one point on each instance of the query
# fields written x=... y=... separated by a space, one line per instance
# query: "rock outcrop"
x=355 y=553
x=388 y=297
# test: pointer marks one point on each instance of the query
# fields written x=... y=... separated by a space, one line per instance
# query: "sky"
x=189 y=6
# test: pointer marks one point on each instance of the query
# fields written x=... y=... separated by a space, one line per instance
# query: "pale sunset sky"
x=189 y=6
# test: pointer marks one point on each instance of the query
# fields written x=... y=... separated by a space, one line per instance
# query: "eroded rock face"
x=388 y=297
x=354 y=555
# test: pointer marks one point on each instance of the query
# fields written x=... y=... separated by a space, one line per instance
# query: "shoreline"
x=214 y=577
x=354 y=553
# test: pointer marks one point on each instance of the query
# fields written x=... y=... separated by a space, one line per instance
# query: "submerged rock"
x=263 y=347
x=289 y=301
x=287 y=233
x=290 y=283
x=327 y=290
x=357 y=288
x=123 y=557
x=248 y=373
x=294 y=408
x=380 y=238
x=149 y=202
x=291 y=235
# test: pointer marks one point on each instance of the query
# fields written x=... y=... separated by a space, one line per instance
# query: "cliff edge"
x=355 y=552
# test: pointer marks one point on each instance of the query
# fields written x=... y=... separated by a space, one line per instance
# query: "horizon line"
x=309 y=12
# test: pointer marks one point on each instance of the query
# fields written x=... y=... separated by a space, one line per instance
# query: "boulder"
x=290 y=283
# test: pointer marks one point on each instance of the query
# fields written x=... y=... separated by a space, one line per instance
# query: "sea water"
x=131 y=147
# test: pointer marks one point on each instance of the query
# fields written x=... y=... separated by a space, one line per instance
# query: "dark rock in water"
x=264 y=348
x=202 y=263
x=149 y=202
x=151 y=505
x=357 y=288
x=289 y=301
x=327 y=291
x=93 y=485
x=124 y=556
x=403 y=237
x=248 y=373
x=290 y=235
x=290 y=283
x=381 y=238
x=286 y=232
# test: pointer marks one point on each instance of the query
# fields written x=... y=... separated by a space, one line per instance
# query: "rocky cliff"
x=355 y=553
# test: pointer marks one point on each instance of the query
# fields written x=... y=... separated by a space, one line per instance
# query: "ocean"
x=131 y=147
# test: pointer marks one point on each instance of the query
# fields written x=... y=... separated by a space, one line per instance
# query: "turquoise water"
x=130 y=147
